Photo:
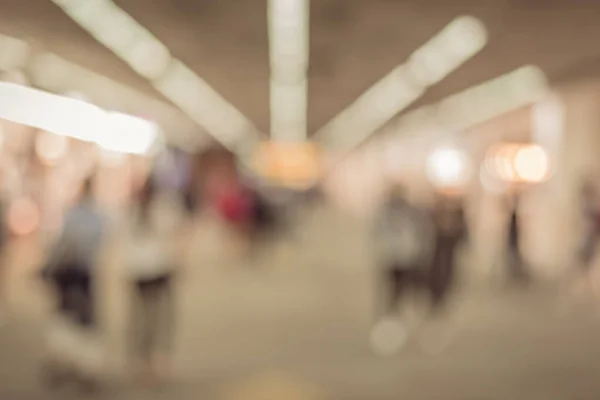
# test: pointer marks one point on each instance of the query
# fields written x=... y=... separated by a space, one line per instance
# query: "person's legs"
x=397 y=282
x=442 y=275
x=164 y=325
x=389 y=334
x=518 y=271
x=153 y=318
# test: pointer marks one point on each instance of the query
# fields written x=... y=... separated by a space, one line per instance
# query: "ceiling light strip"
x=445 y=52
x=55 y=74
x=288 y=53
x=148 y=57
x=76 y=119
x=477 y=104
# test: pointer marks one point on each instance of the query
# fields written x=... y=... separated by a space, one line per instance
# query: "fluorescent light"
x=151 y=59
x=55 y=74
x=205 y=106
x=127 y=134
x=288 y=53
x=49 y=112
x=288 y=111
x=444 y=53
x=115 y=29
x=372 y=109
x=76 y=119
x=492 y=98
x=477 y=104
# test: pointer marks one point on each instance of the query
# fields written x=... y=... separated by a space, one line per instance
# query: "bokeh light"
x=531 y=163
x=23 y=216
x=515 y=162
x=51 y=148
x=448 y=167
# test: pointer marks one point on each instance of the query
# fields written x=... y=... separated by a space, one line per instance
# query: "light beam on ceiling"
x=478 y=104
x=288 y=53
x=445 y=52
x=77 y=119
x=53 y=73
x=151 y=59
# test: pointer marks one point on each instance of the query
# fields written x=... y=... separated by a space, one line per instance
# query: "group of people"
x=417 y=250
x=156 y=238
x=150 y=261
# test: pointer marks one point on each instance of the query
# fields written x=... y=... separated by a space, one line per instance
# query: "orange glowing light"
x=291 y=164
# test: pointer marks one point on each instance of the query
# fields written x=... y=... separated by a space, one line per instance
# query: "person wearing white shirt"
x=150 y=265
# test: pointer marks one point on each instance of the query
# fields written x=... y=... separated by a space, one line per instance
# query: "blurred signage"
x=287 y=163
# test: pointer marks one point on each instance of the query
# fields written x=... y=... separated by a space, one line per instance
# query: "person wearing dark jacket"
x=451 y=231
x=517 y=268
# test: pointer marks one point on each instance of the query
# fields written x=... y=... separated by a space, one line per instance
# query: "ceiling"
x=353 y=43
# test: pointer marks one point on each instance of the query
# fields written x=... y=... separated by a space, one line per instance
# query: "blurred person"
x=450 y=233
x=234 y=203
x=580 y=279
x=590 y=228
x=74 y=351
x=153 y=259
x=405 y=236
x=271 y=219
x=517 y=268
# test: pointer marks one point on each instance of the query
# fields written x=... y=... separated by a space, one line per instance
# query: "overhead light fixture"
x=371 y=110
x=76 y=119
x=288 y=111
x=477 y=104
x=456 y=43
x=127 y=134
x=151 y=59
x=288 y=53
x=493 y=98
x=445 y=52
x=55 y=74
x=205 y=106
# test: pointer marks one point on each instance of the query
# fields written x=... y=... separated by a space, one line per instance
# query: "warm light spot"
x=23 y=216
x=531 y=164
x=51 y=148
x=448 y=167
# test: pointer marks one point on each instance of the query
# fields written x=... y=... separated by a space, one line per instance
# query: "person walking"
x=404 y=237
x=74 y=351
x=151 y=265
